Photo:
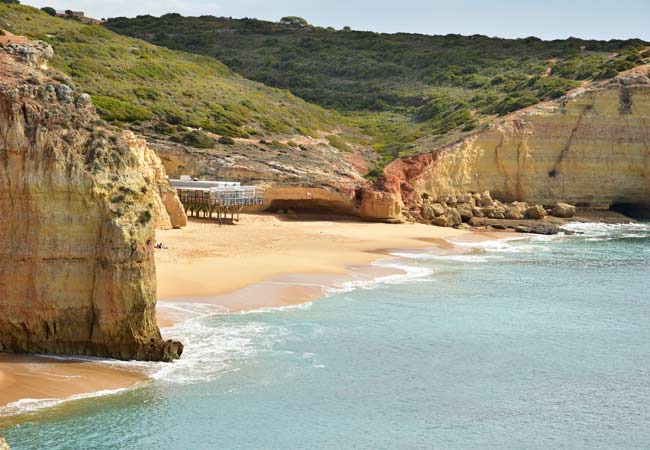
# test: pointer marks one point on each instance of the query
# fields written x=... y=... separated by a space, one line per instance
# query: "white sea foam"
x=27 y=405
x=470 y=257
x=271 y=309
x=213 y=350
x=505 y=246
x=407 y=273
x=606 y=231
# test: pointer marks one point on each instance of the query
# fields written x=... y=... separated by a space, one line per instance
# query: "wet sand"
x=35 y=377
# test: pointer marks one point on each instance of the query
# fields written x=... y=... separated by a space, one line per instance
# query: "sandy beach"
x=204 y=260
x=263 y=261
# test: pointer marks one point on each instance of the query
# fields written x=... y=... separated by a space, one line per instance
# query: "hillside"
x=165 y=91
x=399 y=87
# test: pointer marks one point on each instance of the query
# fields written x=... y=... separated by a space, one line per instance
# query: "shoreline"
x=304 y=260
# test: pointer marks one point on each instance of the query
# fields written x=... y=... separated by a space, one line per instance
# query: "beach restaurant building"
x=216 y=198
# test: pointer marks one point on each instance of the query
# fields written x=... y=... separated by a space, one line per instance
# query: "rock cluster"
x=3 y=444
x=452 y=210
x=35 y=53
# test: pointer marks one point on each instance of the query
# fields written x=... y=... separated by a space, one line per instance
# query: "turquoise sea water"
x=537 y=344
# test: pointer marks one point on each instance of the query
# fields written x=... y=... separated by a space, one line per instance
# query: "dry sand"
x=204 y=259
x=264 y=261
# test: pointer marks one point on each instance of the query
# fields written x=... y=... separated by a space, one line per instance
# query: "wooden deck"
x=219 y=200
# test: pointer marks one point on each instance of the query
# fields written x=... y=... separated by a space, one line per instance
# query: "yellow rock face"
x=77 y=200
x=168 y=210
x=589 y=148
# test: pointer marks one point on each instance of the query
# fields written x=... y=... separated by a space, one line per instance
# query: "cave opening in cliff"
x=638 y=211
x=313 y=206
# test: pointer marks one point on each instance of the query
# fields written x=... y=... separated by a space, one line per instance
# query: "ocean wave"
x=463 y=257
x=407 y=273
x=212 y=349
x=608 y=231
x=30 y=405
x=525 y=244
x=271 y=309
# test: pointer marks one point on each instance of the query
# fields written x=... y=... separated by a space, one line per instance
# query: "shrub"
x=113 y=109
x=145 y=217
x=226 y=140
x=48 y=10
x=195 y=138
x=336 y=142
x=515 y=101
x=294 y=21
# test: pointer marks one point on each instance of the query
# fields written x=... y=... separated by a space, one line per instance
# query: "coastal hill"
x=201 y=117
x=80 y=202
x=397 y=87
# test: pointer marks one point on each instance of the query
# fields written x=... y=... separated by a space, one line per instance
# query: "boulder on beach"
x=438 y=209
x=427 y=212
x=465 y=211
x=453 y=217
x=514 y=213
x=440 y=221
x=486 y=199
x=536 y=212
x=563 y=210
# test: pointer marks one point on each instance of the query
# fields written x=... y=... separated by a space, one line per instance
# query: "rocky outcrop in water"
x=590 y=148
x=78 y=198
x=3 y=444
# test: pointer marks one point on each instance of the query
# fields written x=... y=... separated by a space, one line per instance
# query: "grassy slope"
x=138 y=83
x=399 y=87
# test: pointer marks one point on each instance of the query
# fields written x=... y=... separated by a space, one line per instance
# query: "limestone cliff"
x=589 y=148
x=77 y=271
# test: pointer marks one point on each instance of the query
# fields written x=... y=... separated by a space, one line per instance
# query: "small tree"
x=294 y=21
x=48 y=10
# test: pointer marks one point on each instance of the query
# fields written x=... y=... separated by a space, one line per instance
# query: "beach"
x=264 y=261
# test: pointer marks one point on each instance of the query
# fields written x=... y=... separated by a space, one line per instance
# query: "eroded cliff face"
x=312 y=177
x=168 y=210
x=77 y=272
x=589 y=148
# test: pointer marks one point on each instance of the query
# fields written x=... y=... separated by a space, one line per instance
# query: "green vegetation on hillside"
x=137 y=83
x=399 y=87
x=400 y=93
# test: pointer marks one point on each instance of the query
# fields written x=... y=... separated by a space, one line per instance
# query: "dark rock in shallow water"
x=541 y=228
x=521 y=226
